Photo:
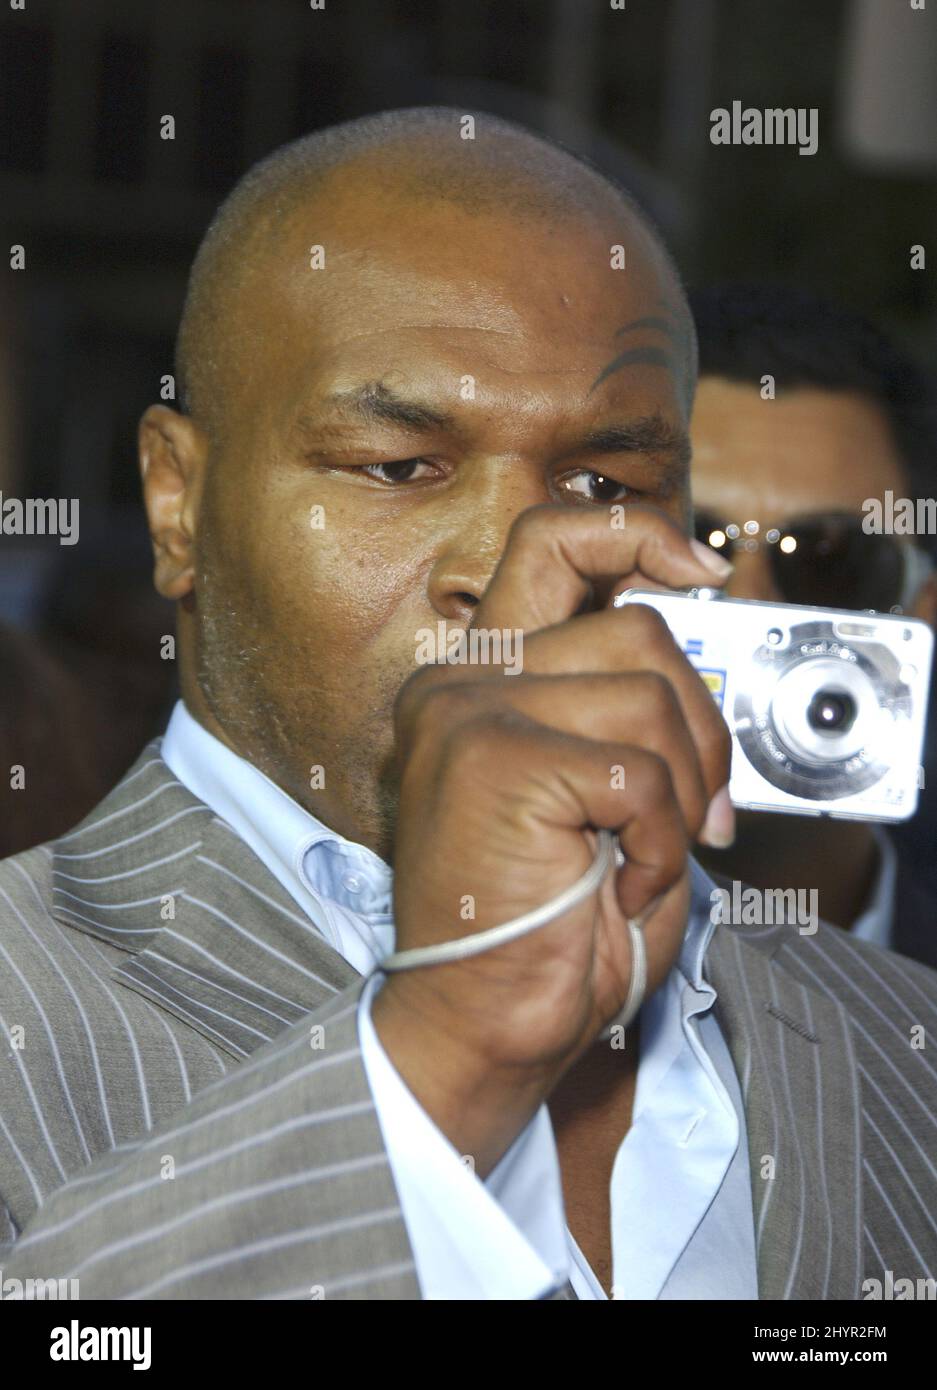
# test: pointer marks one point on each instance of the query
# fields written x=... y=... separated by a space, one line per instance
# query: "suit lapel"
x=793 y=1054
x=205 y=930
x=207 y=933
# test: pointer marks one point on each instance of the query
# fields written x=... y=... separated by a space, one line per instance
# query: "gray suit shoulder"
x=26 y=885
x=86 y=1065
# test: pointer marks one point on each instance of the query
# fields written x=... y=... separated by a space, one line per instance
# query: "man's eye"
x=598 y=487
x=399 y=472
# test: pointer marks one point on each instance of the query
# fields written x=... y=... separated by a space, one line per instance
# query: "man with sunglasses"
x=805 y=414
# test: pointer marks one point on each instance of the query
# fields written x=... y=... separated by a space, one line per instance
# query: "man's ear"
x=172 y=452
x=925 y=602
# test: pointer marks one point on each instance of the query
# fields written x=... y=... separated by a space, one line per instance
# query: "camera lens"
x=831 y=712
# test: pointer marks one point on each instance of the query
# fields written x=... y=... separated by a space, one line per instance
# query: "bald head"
x=491 y=325
x=407 y=157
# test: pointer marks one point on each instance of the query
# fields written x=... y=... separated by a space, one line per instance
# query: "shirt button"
x=352 y=882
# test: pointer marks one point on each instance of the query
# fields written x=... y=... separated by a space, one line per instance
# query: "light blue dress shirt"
x=681 y=1207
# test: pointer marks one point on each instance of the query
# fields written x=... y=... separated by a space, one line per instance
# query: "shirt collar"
x=700 y=927
x=675 y=1076
x=300 y=849
x=291 y=841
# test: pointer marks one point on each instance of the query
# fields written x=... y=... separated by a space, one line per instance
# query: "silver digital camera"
x=826 y=706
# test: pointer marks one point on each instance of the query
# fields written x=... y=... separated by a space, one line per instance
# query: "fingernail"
x=719 y=828
x=716 y=564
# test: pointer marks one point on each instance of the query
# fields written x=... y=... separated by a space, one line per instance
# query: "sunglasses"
x=826 y=560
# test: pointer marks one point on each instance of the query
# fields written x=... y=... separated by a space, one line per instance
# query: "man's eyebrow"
x=649 y=434
x=374 y=401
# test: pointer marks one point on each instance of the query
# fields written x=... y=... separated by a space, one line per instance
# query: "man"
x=805 y=414
x=421 y=373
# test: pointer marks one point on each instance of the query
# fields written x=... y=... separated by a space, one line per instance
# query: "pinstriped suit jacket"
x=184 y=1112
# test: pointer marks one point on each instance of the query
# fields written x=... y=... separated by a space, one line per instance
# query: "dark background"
x=110 y=214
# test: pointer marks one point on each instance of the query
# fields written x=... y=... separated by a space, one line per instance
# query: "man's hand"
x=503 y=780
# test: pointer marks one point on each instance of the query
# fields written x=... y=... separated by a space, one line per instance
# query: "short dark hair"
x=507 y=167
x=803 y=339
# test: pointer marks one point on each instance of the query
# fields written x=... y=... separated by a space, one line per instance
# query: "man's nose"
x=477 y=525
x=752 y=577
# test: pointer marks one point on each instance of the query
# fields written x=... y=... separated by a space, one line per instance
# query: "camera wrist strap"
x=608 y=852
